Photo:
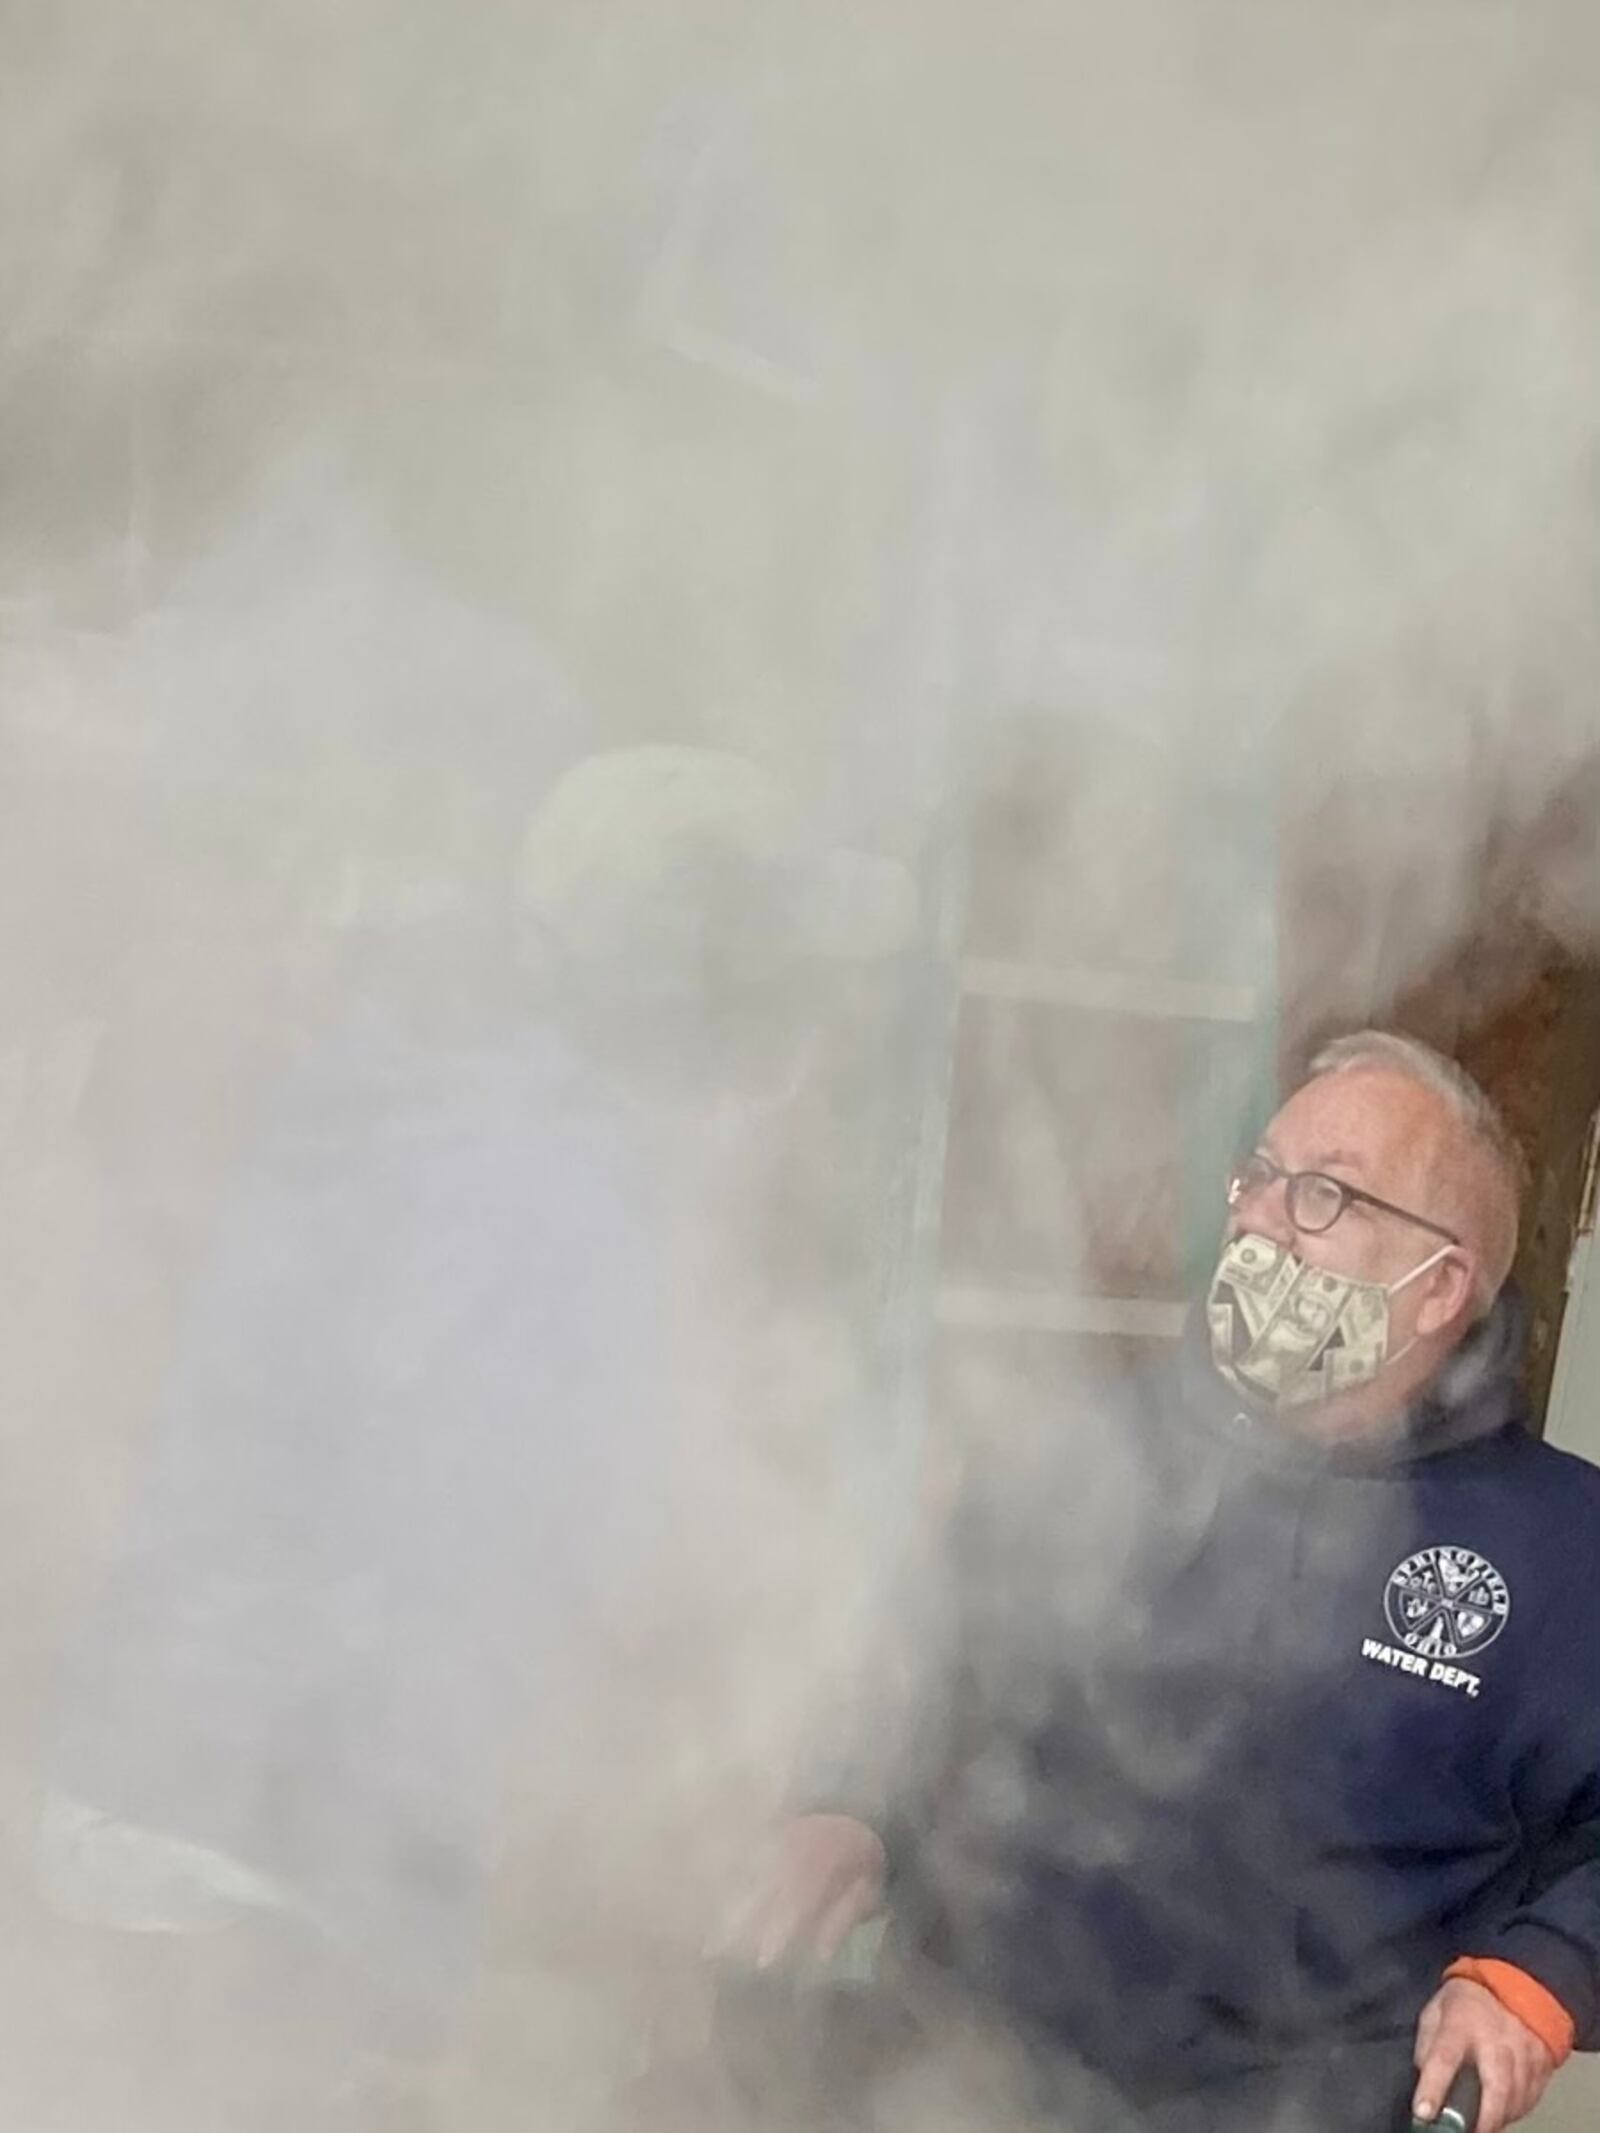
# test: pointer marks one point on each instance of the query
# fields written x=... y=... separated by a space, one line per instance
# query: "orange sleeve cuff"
x=1533 y=2004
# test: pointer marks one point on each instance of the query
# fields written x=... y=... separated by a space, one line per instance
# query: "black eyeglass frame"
x=1238 y=1190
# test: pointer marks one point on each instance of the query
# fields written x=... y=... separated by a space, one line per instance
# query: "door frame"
x=1573 y=1417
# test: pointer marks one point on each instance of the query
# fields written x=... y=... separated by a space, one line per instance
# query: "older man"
x=1274 y=1757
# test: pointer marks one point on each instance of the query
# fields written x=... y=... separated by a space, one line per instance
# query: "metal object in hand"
x=1459 y=2111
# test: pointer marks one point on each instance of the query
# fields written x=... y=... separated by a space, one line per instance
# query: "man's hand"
x=1464 y=2021
x=824 y=1876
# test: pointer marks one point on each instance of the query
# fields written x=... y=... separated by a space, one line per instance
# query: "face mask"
x=1292 y=1335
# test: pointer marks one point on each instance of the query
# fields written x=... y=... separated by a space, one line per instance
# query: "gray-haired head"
x=670 y=855
x=698 y=921
x=1490 y=1174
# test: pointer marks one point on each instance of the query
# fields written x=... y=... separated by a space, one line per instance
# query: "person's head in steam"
x=691 y=924
x=1370 y=1229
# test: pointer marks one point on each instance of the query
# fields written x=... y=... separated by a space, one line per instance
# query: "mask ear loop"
x=1417 y=1272
x=1405 y=1282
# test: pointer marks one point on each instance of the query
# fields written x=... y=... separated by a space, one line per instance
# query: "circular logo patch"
x=1446 y=1602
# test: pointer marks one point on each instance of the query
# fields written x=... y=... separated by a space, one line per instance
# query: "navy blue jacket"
x=1249 y=1738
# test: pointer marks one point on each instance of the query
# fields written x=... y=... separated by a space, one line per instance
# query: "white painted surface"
x=1573 y=2104
x=1574 y=1420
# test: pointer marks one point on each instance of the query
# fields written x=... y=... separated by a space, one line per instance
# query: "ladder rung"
x=982 y=1308
x=1118 y=992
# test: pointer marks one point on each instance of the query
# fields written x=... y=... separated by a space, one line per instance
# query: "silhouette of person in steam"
x=421 y=1411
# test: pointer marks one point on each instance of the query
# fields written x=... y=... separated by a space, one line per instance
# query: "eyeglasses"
x=1314 y=1200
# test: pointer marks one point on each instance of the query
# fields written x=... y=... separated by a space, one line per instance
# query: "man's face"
x=1379 y=1131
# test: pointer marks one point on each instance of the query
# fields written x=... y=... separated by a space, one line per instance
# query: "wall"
x=1573 y=2105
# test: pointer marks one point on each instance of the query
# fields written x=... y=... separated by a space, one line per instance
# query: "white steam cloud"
x=1162 y=437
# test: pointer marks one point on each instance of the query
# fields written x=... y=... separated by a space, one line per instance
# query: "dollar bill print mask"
x=1292 y=1335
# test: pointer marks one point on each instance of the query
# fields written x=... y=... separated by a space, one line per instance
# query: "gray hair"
x=1421 y=1063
